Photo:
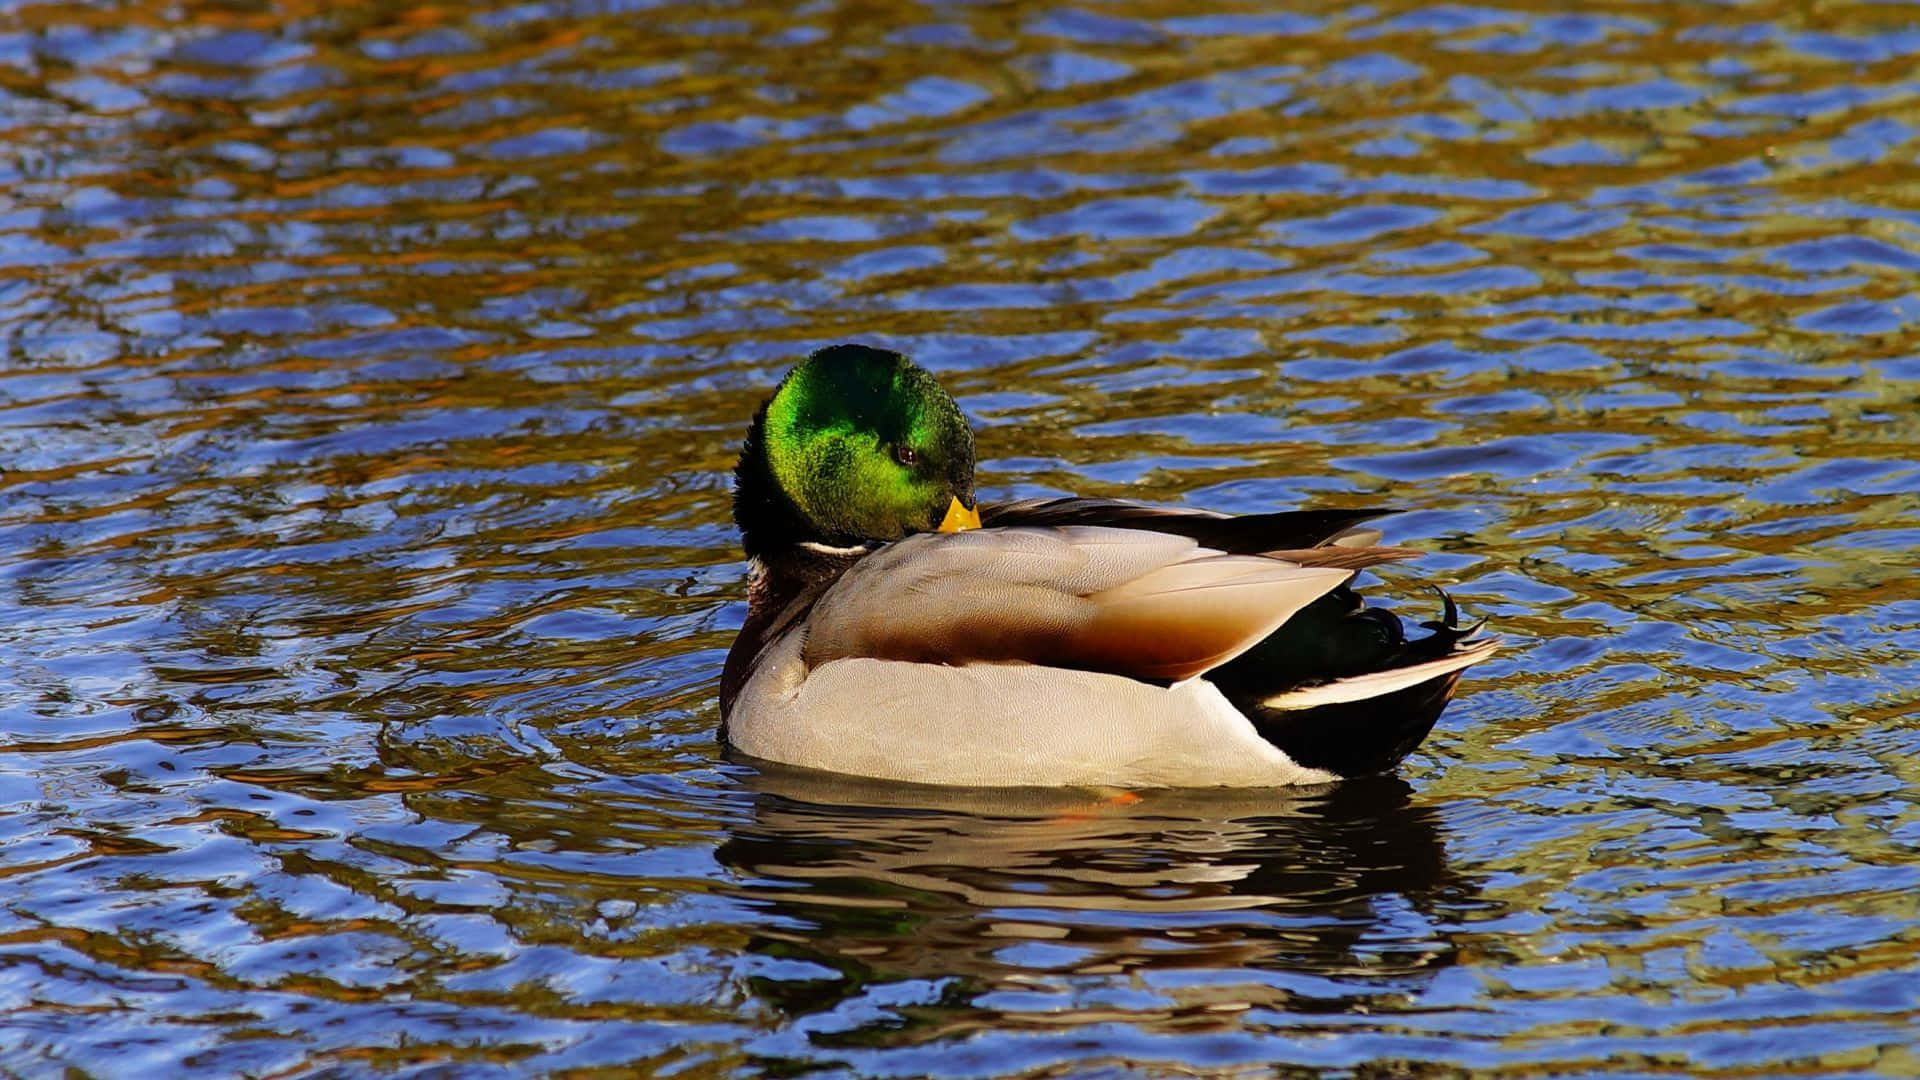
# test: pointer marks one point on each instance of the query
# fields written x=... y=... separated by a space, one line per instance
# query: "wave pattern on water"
x=369 y=380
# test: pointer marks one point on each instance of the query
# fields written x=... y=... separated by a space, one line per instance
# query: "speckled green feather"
x=857 y=444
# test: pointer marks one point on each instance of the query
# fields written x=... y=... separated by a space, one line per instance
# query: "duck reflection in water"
x=1221 y=901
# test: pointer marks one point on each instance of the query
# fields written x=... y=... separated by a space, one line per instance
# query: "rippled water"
x=371 y=376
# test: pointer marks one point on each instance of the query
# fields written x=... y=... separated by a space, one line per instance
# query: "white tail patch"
x=1360 y=687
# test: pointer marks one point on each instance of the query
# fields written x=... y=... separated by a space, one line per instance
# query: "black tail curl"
x=1338 y=636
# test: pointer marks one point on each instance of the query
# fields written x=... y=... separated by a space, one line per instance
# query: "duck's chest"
x=780 y=592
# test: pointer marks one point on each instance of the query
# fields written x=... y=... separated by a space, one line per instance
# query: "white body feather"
x=1000 y=725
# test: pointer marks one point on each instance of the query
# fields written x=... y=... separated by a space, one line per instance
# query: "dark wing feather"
x=1246 y=534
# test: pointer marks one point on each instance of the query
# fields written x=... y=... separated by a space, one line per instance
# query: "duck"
x=898 y=628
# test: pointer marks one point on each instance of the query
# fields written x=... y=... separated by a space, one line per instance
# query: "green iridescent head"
x=856 y=445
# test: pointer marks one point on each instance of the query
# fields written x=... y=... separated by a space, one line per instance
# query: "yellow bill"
x=959 y=517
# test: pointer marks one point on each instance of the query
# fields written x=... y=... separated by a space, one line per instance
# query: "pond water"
x=371 y=378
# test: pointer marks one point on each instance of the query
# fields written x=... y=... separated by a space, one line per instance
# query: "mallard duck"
x=898 y=629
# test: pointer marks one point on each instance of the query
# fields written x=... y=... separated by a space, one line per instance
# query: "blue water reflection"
x=370 y=378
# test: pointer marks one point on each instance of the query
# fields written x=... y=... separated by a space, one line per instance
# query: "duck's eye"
x=906 y=455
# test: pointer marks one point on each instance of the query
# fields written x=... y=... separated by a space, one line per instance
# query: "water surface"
x=369 y=380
